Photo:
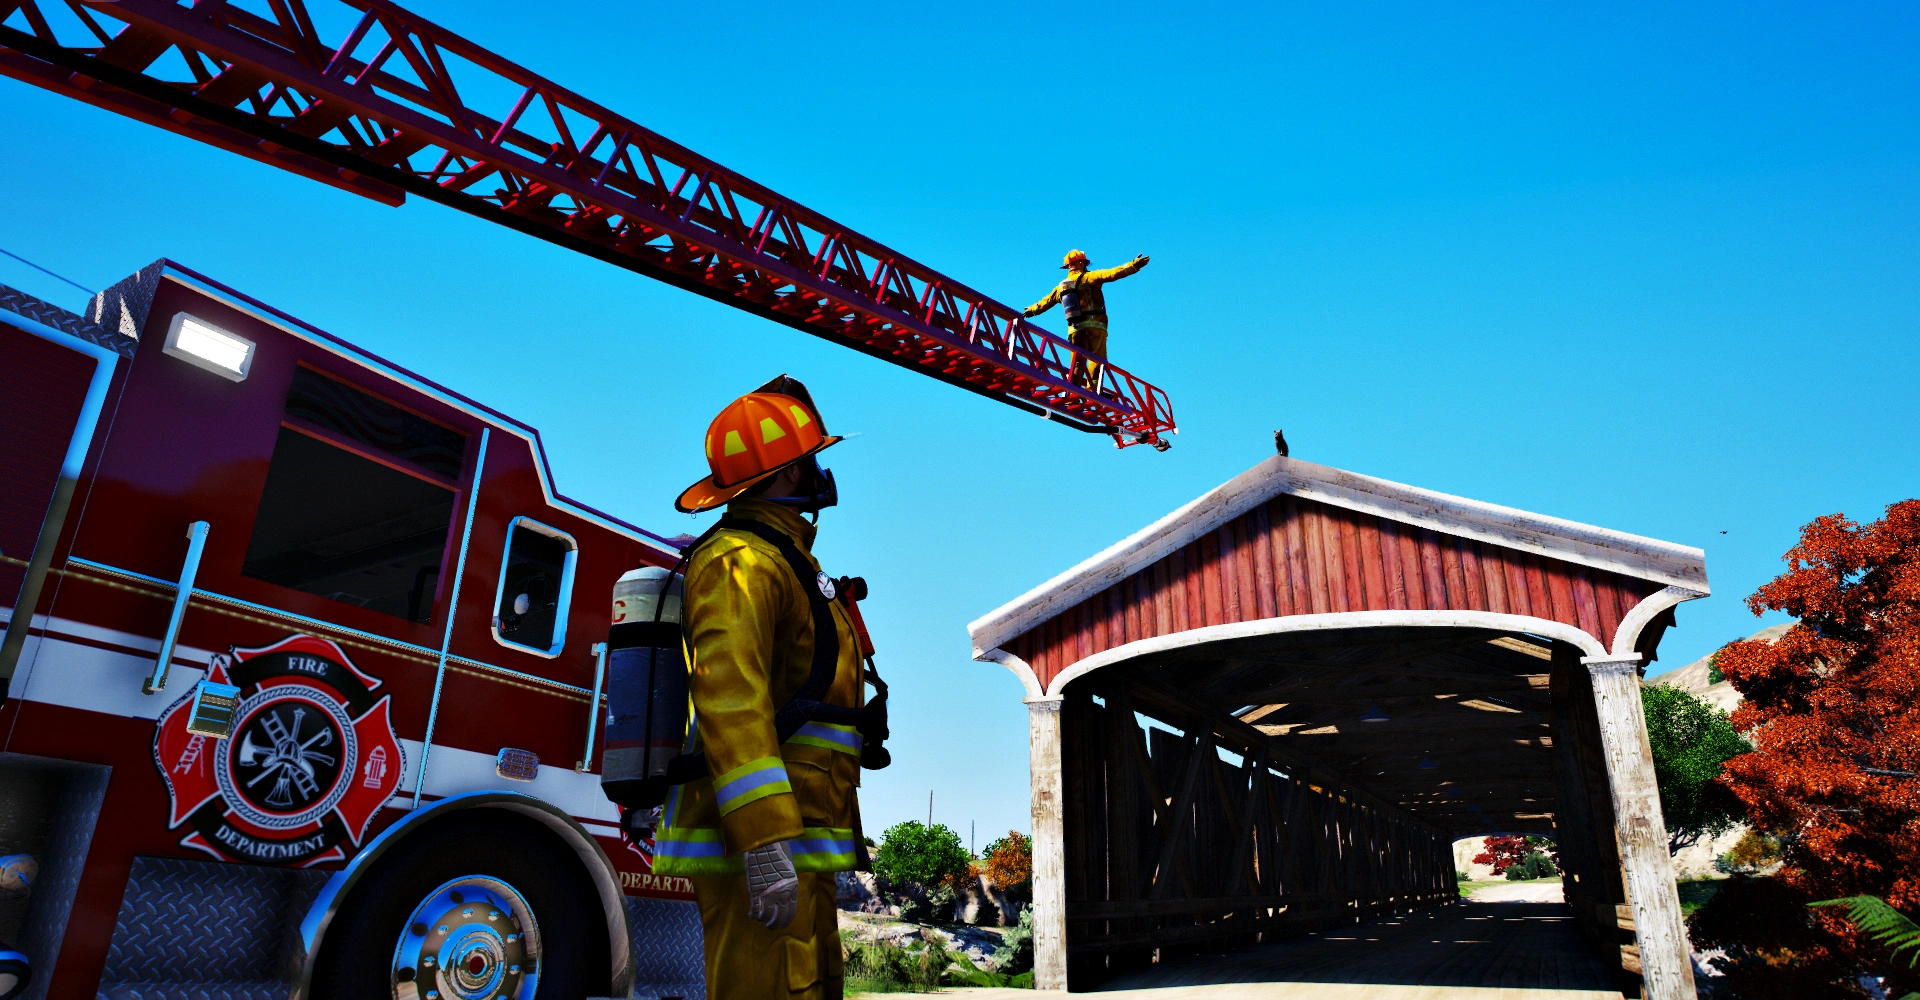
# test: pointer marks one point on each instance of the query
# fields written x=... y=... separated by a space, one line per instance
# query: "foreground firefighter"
x=1086 y=308
x=770 y=813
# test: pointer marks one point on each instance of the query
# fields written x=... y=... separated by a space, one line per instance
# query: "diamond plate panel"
x=669 y=949
x=206 y=929
x=53 y=806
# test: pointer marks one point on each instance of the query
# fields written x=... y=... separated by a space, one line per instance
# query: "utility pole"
x=973 y=841
x=929 y=808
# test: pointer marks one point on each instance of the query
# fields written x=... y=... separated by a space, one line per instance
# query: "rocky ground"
x=977 y=943
x=865 y=917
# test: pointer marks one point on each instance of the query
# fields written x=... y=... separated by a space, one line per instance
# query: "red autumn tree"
x=1503 y=853
x=1833 y=712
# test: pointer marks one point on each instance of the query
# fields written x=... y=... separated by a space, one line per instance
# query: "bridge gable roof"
x=1289 y=537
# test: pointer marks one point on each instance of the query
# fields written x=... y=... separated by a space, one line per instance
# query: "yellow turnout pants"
x=1092 y=339
x=746 y=961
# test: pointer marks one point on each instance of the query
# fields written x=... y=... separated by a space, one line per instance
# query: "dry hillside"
x=1693 y=678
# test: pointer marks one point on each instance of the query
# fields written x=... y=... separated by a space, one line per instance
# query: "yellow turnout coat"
x=749 y=632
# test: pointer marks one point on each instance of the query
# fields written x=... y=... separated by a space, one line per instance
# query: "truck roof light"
x=200 y=343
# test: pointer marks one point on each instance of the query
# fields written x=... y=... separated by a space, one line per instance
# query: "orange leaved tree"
x=1833 y=712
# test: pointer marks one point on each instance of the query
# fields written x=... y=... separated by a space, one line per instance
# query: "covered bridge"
x=1274 y=710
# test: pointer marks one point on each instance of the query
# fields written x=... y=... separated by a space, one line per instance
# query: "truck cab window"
x=535 y=584
x=359 y=500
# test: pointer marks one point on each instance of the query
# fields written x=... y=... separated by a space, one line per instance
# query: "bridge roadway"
x=1472 y=951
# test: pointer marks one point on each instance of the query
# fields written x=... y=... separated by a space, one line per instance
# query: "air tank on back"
x=646 y=688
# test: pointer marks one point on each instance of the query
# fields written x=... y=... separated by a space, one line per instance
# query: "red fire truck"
x=308 y=699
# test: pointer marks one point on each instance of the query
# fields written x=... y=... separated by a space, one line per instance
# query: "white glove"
x=773 y=889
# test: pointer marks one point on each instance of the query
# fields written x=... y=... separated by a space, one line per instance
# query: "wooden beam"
x=1667 y=969
x=1257 y=777
x=1522 y=686
x=1181 y=810
x=1396 y=685
x=1049 y=847
x=1123 y=809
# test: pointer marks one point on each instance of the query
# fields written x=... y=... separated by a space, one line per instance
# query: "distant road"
x=1519 y=892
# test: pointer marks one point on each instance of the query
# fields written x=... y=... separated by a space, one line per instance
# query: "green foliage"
x=885 y=968
x=879 y=967
x=1753 y=852
x=913 y=908
x=1691 y=742
x=941 y=900
x=922 y=854
x=876 y=968
x=988 y=913
x=1015 y=954
x=1696 y=893
x=1886 y=925
x=1535 y=865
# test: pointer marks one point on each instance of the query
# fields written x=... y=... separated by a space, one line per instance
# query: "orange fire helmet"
x=1074 y=257
x=756 y=436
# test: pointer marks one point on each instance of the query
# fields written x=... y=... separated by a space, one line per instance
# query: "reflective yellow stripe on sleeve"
x=750 y=782
x=702 y=852
x=845 y=739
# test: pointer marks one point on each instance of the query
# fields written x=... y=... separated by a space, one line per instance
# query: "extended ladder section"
x=391 y=107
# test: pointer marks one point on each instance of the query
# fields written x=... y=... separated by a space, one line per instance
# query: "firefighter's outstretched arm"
x=733 y=595
x=1107 y=274
x=1052 y=299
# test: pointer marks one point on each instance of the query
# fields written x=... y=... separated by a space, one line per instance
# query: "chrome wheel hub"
x=473 y=938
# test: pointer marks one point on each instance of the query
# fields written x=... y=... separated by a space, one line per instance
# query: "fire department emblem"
x=311 y=758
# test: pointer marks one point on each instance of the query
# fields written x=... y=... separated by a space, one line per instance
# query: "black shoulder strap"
x=826 y=635
x=806 y=703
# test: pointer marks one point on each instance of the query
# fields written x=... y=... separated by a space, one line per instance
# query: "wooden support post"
x=1666 y=966
x=1049 y=846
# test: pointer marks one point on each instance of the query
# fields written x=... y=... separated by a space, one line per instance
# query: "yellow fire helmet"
x=1073 y=258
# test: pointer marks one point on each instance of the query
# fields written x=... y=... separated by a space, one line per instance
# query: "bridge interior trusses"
x=1253 y=788
x=1453 y=725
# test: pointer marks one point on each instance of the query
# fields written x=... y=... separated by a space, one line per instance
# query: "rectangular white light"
x=200 y=343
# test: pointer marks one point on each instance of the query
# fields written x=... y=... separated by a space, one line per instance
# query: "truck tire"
x=477 y=906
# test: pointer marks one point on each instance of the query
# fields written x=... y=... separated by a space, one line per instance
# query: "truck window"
x=535 y=585
x=359 y=500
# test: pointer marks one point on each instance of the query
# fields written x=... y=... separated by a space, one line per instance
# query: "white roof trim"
x=1543 y=627
x=1582 y=544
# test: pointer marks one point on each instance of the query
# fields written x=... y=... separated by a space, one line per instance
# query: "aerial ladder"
x=371 y=98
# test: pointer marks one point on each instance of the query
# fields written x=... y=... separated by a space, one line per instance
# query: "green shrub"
x=988 y=914
x=877 y=962
x=941 y=900
x=885 y=968
x=1015 y=954
x=1535 y=865
x=1691 y=741
x=913 y=908
x=916 y=852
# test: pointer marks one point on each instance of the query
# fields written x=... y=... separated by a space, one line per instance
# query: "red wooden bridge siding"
x=1292 y=556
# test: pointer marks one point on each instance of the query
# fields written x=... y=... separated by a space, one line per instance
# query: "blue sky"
x=1647 y=267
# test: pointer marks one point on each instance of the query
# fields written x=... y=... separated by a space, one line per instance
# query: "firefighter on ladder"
x=1086 y=310
x=763 y=834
